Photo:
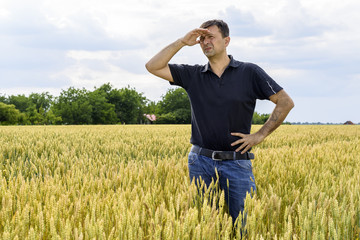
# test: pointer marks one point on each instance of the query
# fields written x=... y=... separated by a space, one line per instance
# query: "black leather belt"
x=222 y=155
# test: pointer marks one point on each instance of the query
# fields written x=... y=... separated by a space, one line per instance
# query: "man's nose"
x=206 y=40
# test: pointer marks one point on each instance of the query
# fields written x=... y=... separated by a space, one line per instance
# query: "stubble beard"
x=209 y=53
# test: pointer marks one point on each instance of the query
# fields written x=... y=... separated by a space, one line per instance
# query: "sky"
x=311 y=48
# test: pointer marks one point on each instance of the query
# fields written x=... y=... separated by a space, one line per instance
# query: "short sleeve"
x=182 y=74
x=264 y=85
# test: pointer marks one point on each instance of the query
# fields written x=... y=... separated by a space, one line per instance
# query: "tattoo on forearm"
x=275 y=116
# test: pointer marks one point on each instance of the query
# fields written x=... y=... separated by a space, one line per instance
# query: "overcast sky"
x=311 y=48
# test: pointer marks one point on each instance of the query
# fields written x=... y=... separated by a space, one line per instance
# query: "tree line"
x=103 y=105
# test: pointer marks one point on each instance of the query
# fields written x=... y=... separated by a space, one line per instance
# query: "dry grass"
x=131 y=182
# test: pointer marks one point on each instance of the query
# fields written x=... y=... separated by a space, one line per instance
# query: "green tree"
x=34 y=116
x=3 y=99
x=73 y=106
x=166 y=118
x=52 y=119
x=129 y=104
x=103 y=112
x=35 y=107
x=41 y=100
x=20 y=101
x=106 y=89
x=151 y=107
x=174 y=107
x=260 y=118
x=9 y=115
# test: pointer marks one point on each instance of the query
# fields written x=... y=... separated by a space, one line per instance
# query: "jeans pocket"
x=245 y=164
x=192 y=158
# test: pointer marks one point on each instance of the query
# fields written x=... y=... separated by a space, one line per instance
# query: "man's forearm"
x=158 y=65
x=276 y=118
x=283 y=106
x=161 y=59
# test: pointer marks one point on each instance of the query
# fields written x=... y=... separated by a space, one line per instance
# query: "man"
x=222 y=94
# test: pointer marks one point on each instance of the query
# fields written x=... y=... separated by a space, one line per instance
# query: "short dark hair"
x=223 y=27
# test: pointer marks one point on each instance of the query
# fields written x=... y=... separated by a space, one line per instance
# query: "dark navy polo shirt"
x=220 y=106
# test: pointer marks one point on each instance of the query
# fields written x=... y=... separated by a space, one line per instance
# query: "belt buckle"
x=213 y=156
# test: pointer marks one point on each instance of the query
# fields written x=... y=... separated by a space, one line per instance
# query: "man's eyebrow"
x=207 y=34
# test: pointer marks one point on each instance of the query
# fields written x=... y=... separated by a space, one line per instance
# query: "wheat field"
x=131 y=182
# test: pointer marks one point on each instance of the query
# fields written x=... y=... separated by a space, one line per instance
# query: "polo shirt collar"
x=233 y=63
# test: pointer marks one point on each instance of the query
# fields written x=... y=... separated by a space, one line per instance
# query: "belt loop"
x=234 y=155
x=196 y=149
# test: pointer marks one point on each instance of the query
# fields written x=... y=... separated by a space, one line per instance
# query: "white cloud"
x=4 y=13
x=243 y=23
x=86 y=72
x=308 y=47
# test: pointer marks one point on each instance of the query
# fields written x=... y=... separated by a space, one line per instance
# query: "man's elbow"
x=285 y=100
x=289 y=103
x=148 y=67
x=152 y=69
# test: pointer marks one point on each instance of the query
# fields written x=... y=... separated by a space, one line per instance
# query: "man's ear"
x=227 y=41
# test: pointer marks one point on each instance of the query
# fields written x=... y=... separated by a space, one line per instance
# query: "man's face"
x=213 y=43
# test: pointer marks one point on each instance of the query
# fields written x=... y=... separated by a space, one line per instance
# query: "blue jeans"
x=237 y=172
